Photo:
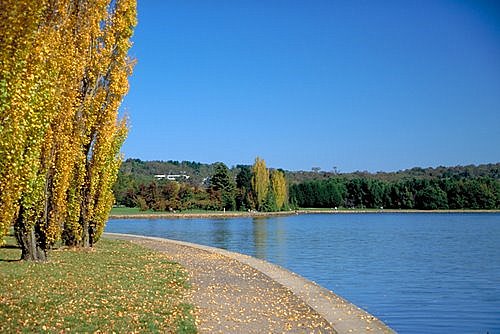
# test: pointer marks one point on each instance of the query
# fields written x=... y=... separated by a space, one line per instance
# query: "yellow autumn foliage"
x=63 y=73
x=28 y=104
x=101 y=134
x=260 y=181
x=279 y=188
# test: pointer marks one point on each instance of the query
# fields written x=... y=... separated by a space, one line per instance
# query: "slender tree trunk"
x=85 y=228
x=84 y=219
x=91 y=234
x=30 y=240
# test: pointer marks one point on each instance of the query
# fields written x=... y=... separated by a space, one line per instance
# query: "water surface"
x=419 y=273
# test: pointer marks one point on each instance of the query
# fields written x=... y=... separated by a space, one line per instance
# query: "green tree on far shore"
x=223 y=187
x=244 y=198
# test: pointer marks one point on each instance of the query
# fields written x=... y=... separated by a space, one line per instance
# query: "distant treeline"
x=422 y=194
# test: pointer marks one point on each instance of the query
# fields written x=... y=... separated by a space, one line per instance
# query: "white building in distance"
x=172 y=177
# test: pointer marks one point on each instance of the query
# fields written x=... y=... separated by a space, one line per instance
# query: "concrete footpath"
x=236 y=293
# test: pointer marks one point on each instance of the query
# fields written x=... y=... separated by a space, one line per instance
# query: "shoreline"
x=242 y=214
x=340 y=314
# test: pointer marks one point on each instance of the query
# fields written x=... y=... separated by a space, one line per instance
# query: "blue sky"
x=359 y=85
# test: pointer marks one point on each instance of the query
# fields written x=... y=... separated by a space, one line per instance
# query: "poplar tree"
x=18 y=78
x=100 y=133
x=260 y=181
x=63 y=73
x=34 y=86
x=279 y=188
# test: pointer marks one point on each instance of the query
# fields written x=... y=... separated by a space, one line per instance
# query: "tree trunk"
x=91 y=234
x=29 y=239
x=85 y=231
x=84 y=219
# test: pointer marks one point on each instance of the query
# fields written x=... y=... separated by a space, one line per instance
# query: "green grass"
x=129 y=211
x=116 y=287
x=122 y=211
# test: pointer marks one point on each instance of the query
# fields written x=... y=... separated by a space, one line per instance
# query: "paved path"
x=235 y=293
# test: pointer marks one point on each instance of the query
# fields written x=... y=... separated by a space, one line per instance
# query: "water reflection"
x=281 y=247
x=221 y=234
x=260 y=237
x=270 y=239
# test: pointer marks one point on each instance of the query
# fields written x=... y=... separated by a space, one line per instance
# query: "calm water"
x=419 y=273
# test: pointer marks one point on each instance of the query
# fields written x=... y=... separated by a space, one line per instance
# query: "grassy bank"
x=135 y=213
x=117 y=287
x=121 y=211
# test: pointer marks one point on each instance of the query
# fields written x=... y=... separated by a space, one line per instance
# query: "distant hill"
x=144 y=171
x=457 y=172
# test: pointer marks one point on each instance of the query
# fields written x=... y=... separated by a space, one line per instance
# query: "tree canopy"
x=222 y=186
x=279 y=189
x=422 y=194
x=260 y=182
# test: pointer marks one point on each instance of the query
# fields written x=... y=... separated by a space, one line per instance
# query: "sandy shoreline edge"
x=344 y=316
x=278 y=214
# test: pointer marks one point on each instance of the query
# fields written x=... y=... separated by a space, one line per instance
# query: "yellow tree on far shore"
x=260 y=181
x=278 y=187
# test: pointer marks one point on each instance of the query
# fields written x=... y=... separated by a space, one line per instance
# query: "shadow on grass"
x=4 y=260
x=11 y=246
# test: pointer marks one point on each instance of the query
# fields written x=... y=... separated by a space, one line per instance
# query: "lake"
x=419 y=273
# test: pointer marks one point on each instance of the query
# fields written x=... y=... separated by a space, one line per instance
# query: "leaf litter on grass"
x=118 y=287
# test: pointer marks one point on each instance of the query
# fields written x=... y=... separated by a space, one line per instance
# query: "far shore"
x=256 y=214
